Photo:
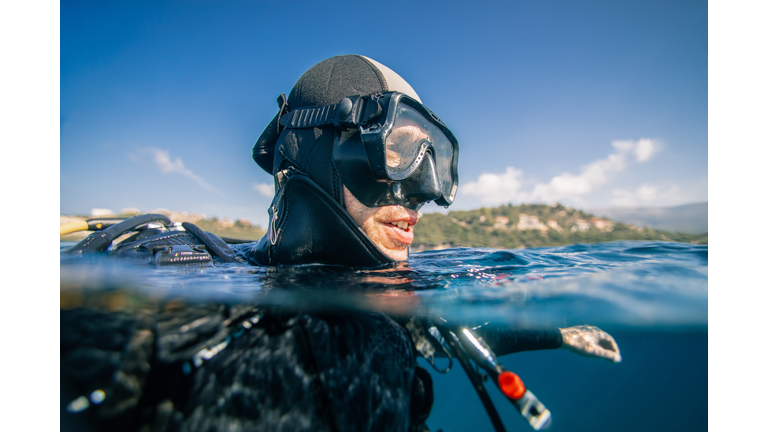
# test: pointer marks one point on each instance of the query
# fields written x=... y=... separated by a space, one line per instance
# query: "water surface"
x=651 y=296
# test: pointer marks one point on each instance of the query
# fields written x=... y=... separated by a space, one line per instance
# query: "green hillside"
x=529 y=225
x=505 y=227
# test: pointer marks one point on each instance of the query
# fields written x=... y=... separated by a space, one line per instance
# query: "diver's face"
x=390 y=227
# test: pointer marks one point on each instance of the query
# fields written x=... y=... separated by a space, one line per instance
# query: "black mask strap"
x=301 y=118
x=351 y=112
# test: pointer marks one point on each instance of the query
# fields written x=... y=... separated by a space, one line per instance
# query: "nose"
x=424 y=184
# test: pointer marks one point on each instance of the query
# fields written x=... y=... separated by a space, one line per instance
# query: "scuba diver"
x=354 y=155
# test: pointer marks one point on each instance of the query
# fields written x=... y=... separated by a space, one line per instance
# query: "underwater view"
x=650 y=296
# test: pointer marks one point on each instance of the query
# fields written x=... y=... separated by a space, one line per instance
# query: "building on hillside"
x=530 y=223
x=554 y=225
x=501 y=222
x=601 y=224
x=581 y=225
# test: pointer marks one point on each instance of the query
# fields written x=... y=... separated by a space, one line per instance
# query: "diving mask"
x=389 y=149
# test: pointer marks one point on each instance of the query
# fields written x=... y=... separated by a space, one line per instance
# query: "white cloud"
x=567 y=185
x=508 y=186
x=162 y=159
x=669 y=194
x=645 y=149
x=496 y=187
x=265 y=189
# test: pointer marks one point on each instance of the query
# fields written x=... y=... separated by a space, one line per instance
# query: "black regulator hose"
x=211 y=245
x=474 y=377
x=99 y=241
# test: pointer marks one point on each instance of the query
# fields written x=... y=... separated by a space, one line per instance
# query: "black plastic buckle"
x=354 y=111
x=185 y=255
x=282 y=102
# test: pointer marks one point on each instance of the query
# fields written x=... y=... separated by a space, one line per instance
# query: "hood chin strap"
x=308 y=226
x=264 y=150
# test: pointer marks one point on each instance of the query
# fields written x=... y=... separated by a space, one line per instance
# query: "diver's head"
x=360 y=133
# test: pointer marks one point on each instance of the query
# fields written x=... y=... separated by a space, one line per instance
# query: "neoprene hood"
x=308 y=220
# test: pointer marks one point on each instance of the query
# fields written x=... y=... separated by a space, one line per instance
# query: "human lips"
x=400 y=228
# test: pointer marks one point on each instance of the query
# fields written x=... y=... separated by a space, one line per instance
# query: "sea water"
x=650 y=296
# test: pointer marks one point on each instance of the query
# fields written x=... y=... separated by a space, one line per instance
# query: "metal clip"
x=426 y=344
x=273 y=214
x=537 y=415
x=535 y=412
x=281 y=178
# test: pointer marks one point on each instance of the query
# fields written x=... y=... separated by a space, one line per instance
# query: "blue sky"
x=586 y=103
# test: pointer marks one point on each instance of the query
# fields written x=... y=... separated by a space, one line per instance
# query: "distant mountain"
x=689 y=218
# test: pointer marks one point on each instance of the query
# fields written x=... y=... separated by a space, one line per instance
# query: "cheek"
x=373 y=230
x=360 y=213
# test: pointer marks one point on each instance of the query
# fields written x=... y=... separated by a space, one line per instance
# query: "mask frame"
x=363 y=124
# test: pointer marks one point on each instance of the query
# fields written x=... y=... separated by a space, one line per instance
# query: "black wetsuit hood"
x=308 y=220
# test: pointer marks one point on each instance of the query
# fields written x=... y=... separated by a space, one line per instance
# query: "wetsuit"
x=298 y=373
x=219 y=367
x=355 y=372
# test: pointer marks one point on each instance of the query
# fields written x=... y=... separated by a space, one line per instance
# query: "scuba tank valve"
x=527 y=404
x=467 y=345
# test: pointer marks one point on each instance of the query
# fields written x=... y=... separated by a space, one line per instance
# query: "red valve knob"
x=511 y=385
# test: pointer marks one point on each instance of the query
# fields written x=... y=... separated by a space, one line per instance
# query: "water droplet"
x=78 y=405
x=98 y=397
x=205 y=354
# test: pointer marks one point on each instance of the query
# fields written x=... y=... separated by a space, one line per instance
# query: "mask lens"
x=407 y=157
x=409 y=141
x=405 y=140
